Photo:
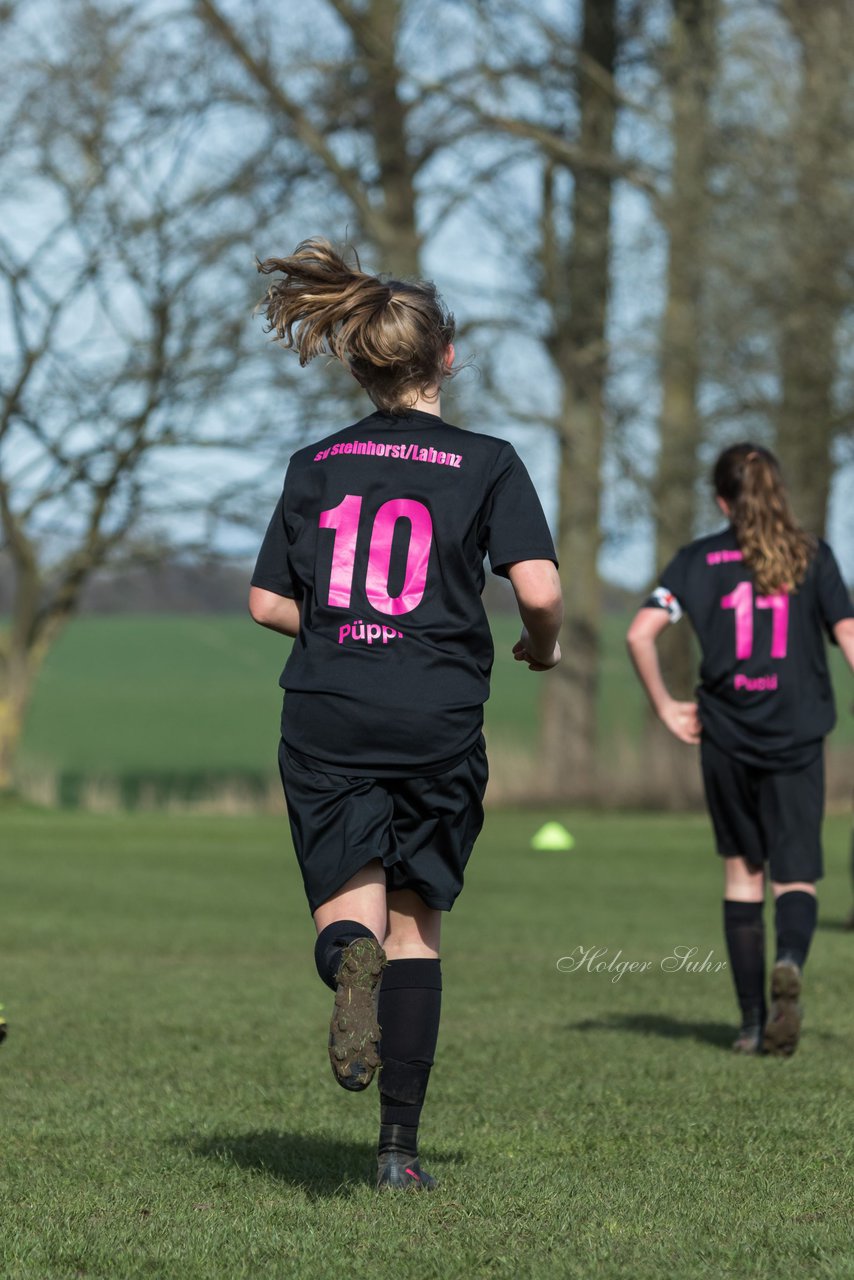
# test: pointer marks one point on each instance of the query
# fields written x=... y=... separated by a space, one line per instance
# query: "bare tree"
x=576 y=283
x=123 y=304
x=780 y=268
x=547 y=93
x=818 y=243
x=569 y=138
x=689 y=64
x=689 y=70
x=361 y=92
x=339 y=94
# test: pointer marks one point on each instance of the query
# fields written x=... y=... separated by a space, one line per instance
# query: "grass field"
x=184 y=695
x=201 y=692
x=168 y=1109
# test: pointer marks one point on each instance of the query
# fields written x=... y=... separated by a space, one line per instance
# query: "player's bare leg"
x=742 y=881
x=795 y=910
x=414 y=929
x=363 y=898
x=350 y=960
x=410 y=1000
x=744 y=893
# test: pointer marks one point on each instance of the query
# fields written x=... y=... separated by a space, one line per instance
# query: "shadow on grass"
x=719 y=1034
x=837 y=926
x=323 y=1167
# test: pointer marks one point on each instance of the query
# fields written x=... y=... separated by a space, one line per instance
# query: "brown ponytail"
x=393 y=334
x=775 y=548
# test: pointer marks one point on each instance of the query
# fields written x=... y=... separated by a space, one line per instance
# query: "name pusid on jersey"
x=755 y=684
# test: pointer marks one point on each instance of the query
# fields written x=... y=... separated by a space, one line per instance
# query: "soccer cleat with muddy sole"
x=749 y=1039
x=397 y=1171
x=354 y=1033
x=783 y=1028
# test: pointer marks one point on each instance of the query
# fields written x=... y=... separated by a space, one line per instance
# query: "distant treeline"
x=218 y=586
x=172 y=586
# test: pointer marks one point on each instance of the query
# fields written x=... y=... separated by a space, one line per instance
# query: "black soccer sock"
x=795 y=913
x=745 y=939
x=331 y=942
x=409 y=1008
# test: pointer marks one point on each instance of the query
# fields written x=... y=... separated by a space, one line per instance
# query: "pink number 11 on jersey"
x=741 y=600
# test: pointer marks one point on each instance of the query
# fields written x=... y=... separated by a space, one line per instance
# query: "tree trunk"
x=16 y=686
x=691 y=67
x=11 y=726
x=692 y=58
x=819 y=240
x=398 y=242
x=805 y=432
x=579 y=349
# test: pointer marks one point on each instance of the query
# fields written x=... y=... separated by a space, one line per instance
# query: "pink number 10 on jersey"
x=344 y=519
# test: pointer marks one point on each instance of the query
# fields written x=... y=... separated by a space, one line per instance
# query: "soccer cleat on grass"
x=749 y=1039
x=354 y=1034
x=396 y=1171
x=783 y=1028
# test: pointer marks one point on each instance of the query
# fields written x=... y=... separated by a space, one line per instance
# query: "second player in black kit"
x=374 y=561
x=763 y=597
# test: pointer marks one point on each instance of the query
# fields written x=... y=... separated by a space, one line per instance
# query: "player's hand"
x=682 y=719
x=522 y=653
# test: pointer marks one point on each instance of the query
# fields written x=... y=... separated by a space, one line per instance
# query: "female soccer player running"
x=374 y=561
x=759 y=596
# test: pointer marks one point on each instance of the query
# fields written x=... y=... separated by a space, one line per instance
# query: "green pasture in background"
x=194 y=693
x=169 y=1111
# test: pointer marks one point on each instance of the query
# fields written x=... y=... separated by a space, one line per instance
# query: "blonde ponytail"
x=393 y=334
x=775 y=548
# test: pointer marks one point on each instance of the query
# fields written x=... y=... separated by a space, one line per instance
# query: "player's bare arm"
x=843 y=634
x=279 y=613
x=540 y=602
x=681 y=718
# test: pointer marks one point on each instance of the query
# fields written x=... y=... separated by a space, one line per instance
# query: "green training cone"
x=552 y=835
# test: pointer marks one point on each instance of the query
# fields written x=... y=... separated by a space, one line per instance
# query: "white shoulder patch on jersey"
x=661 y=598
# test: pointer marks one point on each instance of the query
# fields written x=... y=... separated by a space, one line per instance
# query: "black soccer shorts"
x=763 y=815
x=422 y=828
